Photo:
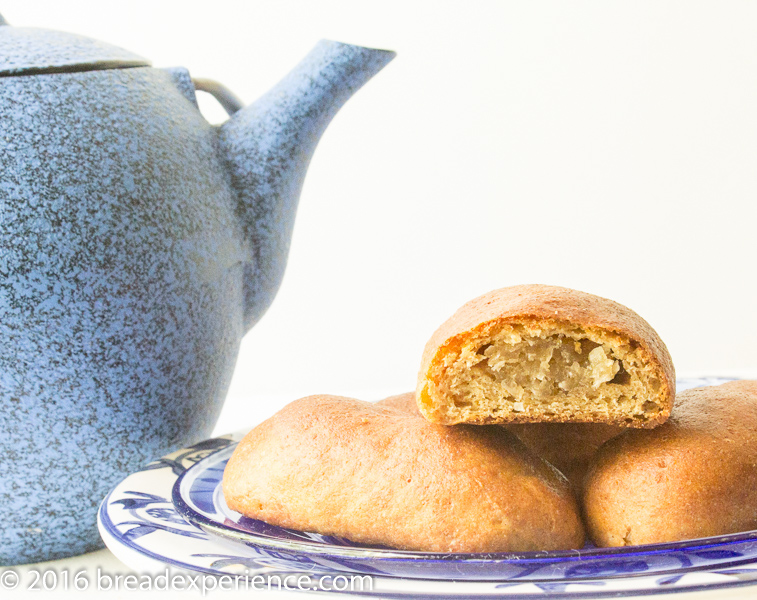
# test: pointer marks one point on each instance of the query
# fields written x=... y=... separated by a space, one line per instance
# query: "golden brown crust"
x=378 y=475
x=569 y=447
x=548 y=304
x=404 y=402
x=695 y=476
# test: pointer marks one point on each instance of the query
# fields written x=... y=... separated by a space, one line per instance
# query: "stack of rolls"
x=541 y=414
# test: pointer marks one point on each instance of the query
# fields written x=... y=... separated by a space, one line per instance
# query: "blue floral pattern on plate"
x=145 y=517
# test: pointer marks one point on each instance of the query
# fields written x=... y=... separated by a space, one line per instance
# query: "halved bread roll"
x=379 y=475
x=537 y=353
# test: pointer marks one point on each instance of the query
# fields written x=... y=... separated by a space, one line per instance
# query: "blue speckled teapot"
x=138 y=244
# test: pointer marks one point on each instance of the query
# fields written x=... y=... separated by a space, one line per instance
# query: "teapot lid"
x=31 y=51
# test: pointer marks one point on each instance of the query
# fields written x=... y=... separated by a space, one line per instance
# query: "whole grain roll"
x=378 y=475
x=695 y=476
x=538 y=353
x=569 y=447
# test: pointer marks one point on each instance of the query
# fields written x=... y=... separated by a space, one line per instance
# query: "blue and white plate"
x=172 y=513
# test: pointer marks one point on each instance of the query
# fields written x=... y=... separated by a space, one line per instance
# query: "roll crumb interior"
x=538 y=353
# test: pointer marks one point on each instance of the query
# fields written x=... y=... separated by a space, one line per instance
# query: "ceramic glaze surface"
x=28 y=50
x=119 y=292
x=136 y=247
x=278 y=135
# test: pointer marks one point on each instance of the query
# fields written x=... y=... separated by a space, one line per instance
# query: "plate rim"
x=540 y=557
x=129 y=548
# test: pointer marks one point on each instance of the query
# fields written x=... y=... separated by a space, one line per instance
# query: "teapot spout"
x=268 y=146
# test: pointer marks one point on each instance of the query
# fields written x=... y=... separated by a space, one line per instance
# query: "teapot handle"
x=225 y=97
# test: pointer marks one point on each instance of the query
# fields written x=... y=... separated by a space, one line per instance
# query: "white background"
x=605 y=146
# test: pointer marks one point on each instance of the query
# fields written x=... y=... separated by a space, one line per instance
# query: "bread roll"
x=567 y=446
x=404 y=402
x=695 y=476
x=537 y=353
x=378 y=475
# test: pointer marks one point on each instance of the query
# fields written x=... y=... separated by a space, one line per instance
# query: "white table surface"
x=105 y=560
x=109 y=564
